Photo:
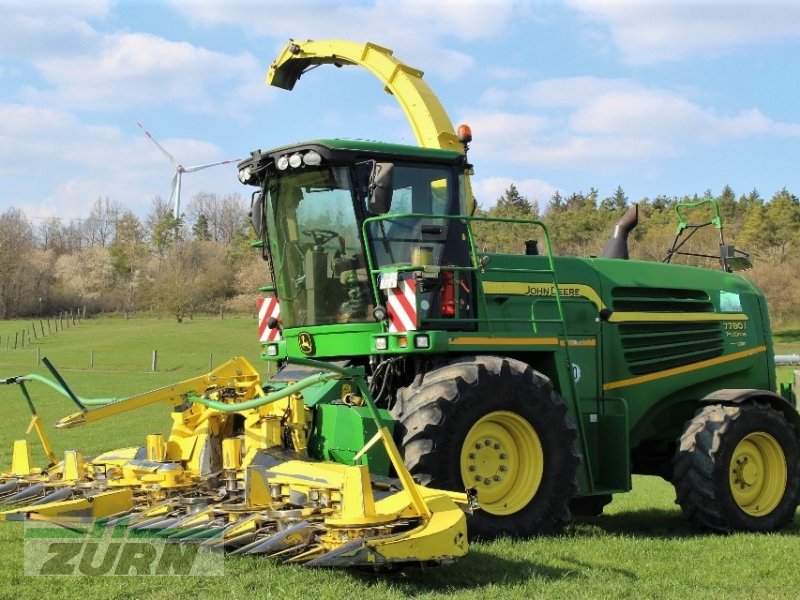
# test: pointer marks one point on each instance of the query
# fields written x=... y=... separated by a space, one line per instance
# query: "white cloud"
x=664 y=115
x=498 y=127
x=416 y=30
x=134 y=69
x=36 y=29
x=571 y=91
x=82 y=162
x=459 y=19
x=501 y=73
x=651 y=31
x=592 y=122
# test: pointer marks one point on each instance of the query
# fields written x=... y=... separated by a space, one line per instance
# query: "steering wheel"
x=321 y=236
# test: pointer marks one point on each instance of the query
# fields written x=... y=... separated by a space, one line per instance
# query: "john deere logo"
x=306 y=343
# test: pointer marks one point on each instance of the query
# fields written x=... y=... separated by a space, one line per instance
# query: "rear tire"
x=495 y=425
x=737 y=468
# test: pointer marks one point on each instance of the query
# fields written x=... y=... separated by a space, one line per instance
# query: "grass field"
x=640 y=547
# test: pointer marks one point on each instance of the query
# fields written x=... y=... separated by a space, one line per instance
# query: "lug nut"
x=503 y=468
x=497 y=446
x=473 y=468
x=472 y=455
x=503 y=456
x=497 y=477
x=487 y=481
x=487 y=443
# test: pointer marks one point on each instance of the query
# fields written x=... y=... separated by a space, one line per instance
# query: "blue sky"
x=659 y=97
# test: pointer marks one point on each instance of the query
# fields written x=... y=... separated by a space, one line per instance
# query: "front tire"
x=495 y=425
x=737 y=468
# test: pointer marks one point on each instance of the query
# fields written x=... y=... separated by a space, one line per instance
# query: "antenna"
x=175 y=190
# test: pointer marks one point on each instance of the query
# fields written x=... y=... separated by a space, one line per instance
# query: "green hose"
x=333 y=372
x=268 y=398
x=60 y=389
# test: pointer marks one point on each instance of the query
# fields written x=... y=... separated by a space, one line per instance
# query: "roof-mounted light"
x=282 y=163
x=245 y=173
x=312 y=158
x=464 y=134
x=295 y=160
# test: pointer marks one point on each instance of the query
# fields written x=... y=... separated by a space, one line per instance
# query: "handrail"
x=476 y=266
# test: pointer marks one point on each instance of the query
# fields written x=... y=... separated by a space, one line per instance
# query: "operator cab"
x=316 y=201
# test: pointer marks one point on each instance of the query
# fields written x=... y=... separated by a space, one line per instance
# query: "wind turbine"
x=175 y=190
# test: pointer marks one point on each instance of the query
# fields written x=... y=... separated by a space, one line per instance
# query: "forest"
x=113 y=261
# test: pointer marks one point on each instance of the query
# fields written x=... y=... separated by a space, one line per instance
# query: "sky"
x=659 y=97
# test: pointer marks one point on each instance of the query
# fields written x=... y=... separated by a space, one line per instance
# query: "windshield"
x=320 y=270
x=399 y=240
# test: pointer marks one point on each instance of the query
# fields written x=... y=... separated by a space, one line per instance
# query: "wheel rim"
x=502 y=458
x=758 y=474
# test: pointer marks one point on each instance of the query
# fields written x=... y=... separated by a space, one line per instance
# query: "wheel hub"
x=502 y=458
x=758 y=474
x=745 y=473
x=488 y=461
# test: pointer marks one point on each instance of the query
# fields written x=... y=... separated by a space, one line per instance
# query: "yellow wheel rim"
x=758 y=474
x=502 y=458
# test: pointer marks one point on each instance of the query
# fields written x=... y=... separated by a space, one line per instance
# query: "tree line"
x=114 y=261
x=580 y=223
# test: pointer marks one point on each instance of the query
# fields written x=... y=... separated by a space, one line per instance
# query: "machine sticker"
x=735 y=329
x=306 y=343
x=730 y=302
x=576 y=372
x=388 y=280
x=546 y=290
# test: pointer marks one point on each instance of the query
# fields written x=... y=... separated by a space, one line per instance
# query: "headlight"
x=312 y=158
x=381 y=343
x=295 y=160
x=244 y=174
x=272 y=350
x=422 y=341
x=283 y=163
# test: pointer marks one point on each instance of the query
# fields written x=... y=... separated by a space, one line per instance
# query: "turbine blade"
x=201 y=167
x=160 y=147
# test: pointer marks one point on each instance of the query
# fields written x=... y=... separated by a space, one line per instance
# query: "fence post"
x=33 y=326
x=154 y=363
x=91 y=358
x=38 y=356
x=210 y=361
x=16 y=333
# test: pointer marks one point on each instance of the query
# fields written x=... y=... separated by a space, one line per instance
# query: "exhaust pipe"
x=617 y=245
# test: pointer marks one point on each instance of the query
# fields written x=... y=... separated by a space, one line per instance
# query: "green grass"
x=640 y=547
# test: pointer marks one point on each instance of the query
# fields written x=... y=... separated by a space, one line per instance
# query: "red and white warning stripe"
x=402 y=306
x=268 y=307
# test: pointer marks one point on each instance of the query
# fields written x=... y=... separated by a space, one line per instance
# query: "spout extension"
x=617 y=245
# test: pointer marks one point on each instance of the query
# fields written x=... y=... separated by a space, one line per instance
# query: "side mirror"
x=734 y=260
x=257 y=214
x=380 y=188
